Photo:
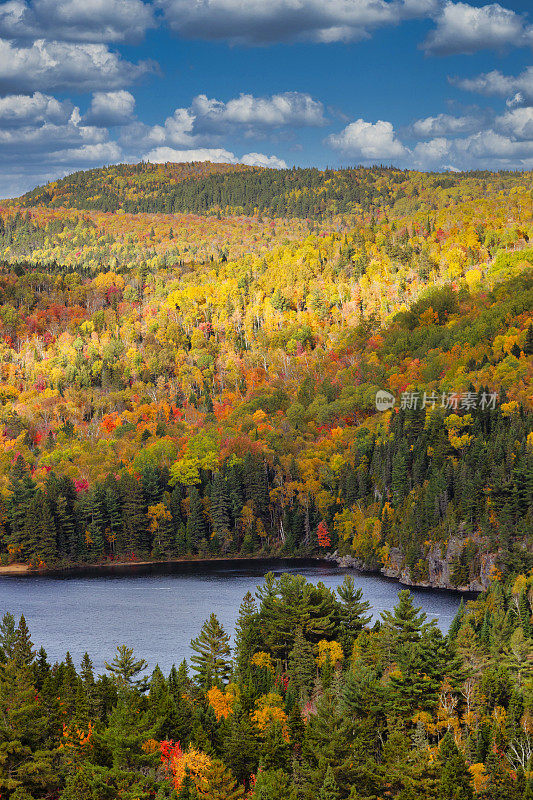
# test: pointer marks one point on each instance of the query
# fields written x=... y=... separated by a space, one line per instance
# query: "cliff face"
x=461 y=565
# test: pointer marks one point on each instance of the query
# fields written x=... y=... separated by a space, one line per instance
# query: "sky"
x=422 y=84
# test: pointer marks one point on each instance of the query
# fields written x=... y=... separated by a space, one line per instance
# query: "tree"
x=455 y=781
x=273 y=785
x=125 y=669
x=247 y=635
x=302 y=668
x=352 y=612
x=329 y=789
x=211 y=661
x=196 y=525
x=217 y=783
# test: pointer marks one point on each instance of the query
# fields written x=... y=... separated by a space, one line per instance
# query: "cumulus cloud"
x=517 y=88
x=19 y=110
x=104 y=152
x=208 y=119
x=60 y=65
x=462 y=28
x=259 y=22
x=431 y=154
x=369 y=141
x=161 y=155
x=111 y=108
x=517 y=123
x=287 y=108
x=76 y=20
x=445 y=124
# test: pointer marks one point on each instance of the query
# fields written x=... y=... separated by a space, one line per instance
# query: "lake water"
x=159 y=609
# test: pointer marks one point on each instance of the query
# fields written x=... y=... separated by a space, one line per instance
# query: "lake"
x=158 y=609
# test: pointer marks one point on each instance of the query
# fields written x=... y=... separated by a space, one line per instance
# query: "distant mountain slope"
x=203 y=187
x=133 y=187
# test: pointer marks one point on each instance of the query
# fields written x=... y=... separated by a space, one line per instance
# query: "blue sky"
x=426 y=84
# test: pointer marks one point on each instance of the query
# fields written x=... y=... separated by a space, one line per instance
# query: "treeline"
x=436 y=473
x=308 y=193
x=314 y=702
x=297 y=192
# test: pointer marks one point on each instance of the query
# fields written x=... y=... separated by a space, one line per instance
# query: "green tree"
x=211 y=662
x=125 y=670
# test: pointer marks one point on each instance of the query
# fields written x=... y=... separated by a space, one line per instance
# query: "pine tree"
x=220 y=506
x=126 y=671
x=457 y=621
x=23 y=653
x=134 y=523
x=211 y=662
x=8 y=636
x=273 y=785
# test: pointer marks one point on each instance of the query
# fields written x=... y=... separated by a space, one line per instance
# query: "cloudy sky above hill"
x=428 y=84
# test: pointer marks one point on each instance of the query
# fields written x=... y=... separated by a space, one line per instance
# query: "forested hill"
x=203 y=188
x=132 y=187
x=184 y=384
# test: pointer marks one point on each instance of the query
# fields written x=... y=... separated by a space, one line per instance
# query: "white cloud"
x=517 y=123
x=111 y=108
x=18 y=110
x=207 y=119
x=431 y=154
x=288 y=108
x=368 y=141
x=76 y=20
x=462 y=28
x=518 y=88
x=59 y=65
x=261 y=160
x=444 y=124
x=105 y=152
x=161 y=155
x=262 y=21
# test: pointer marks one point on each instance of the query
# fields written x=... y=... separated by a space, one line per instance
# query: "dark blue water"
x=158 y=611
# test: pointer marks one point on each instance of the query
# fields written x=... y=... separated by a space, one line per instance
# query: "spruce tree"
x=302 y=668
x=247 y=635
x=352 y=612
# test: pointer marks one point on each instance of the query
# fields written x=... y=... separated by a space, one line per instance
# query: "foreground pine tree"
x=211 y=662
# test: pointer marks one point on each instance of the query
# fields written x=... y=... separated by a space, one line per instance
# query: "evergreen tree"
x=329 y=789
x=455 y=781
x=196 y=525
x=219 y=784
x=247 y=636
x=353 y=613
x=211 y=662
x=302 y=668
x=126 y=671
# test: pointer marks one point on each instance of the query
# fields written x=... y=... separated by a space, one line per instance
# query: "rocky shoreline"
x=439 y=567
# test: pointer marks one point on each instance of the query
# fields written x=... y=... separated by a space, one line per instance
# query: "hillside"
x=202 y=188
x=133 y=187
x=179 y=384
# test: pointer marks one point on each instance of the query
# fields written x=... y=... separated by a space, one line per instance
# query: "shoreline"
x=188 y=565
x=18 y=569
